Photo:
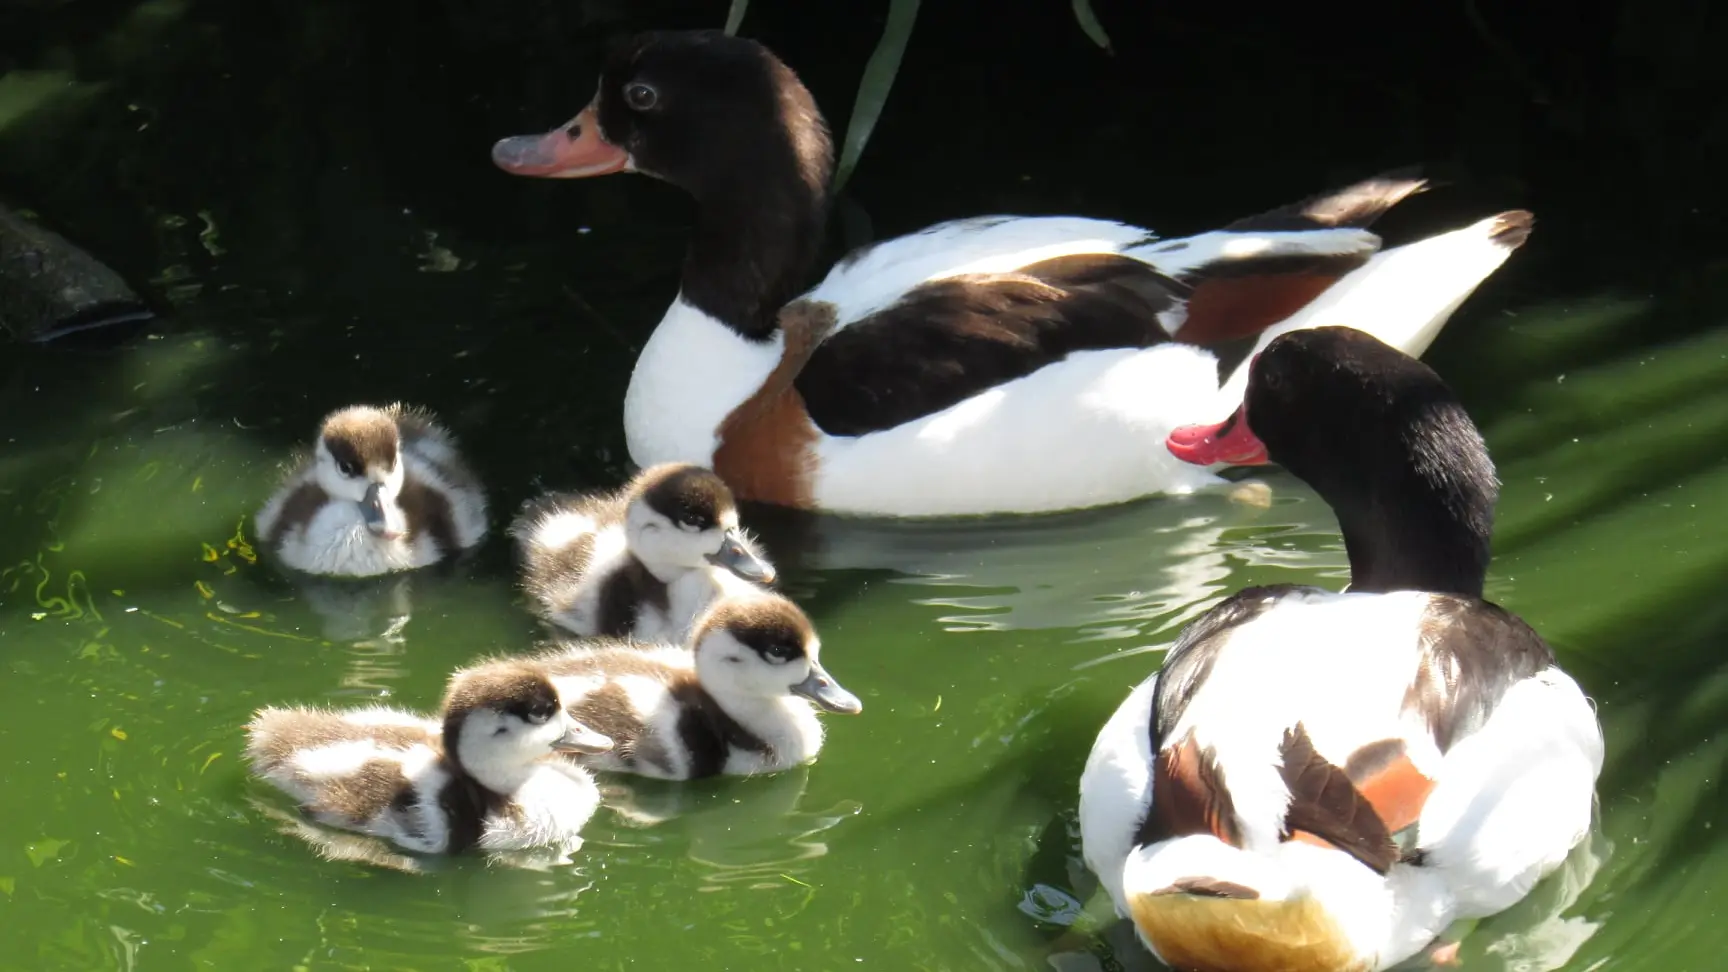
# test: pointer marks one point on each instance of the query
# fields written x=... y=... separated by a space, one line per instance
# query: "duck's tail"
x=1261 y=269
x=1404 y=295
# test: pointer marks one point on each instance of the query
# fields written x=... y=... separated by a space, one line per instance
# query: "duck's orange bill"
x=574 y=150
x=1230 y=442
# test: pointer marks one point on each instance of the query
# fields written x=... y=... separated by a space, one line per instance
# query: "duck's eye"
x=640 y=96
x=690 y=525
x=347 y=468
x=782 y=652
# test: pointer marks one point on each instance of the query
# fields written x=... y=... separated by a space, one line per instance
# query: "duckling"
x=384 y=489
x=642 y=561
x=738 y=703
x=480 y=778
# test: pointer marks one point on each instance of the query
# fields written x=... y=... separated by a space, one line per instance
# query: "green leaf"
x=874 y=86
x=1089 y=23
x=44 y=850
x=735 y=16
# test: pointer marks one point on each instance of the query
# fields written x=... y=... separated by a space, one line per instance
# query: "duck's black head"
x=1383 y=440
x=727 y=121
x=700 y=109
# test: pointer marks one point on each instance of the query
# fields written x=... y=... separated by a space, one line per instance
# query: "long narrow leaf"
x=735 y=15
x=874 y=86
x=1089 y=23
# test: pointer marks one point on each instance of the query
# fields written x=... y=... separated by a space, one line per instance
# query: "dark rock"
x=49 y=288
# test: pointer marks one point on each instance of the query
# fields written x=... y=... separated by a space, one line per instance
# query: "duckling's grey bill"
x=821 y=689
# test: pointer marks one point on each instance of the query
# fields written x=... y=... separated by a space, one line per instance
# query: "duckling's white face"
x=501 y=738
x=359 y=460
x=669 y=546
x=760 y=654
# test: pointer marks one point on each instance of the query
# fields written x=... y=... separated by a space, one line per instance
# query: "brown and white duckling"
x=738 y=702
x=384 y=489
x=484 y=777
x=642 y=561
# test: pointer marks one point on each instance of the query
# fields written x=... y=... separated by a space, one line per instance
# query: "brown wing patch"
x=1325 y=804
x=948 y=340
x=767 y=443
x=428 y=514
x=1189 y=795
x=607 y=710
x=1390 y=782
x=363 y=794
x=550 y=575
x=297 y=511
x=1227 y=306
x=276 y=734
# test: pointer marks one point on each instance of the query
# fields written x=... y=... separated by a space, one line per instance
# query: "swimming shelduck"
x=1322 y=781
x=384 y=489
x=639 y=562
x=998 y=364
x=486 y=776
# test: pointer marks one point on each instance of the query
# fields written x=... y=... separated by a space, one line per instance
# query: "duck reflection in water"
x=746 y=833
x=369 y=616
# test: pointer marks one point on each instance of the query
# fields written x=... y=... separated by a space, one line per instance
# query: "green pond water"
x=936 y=830
x=306 y=267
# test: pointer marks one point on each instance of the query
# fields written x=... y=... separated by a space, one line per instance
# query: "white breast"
x=335 y=541
x=549 y=809
x=691 y=374
x=788 y=725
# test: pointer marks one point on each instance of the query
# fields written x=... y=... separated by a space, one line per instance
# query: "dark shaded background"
x=325 y=139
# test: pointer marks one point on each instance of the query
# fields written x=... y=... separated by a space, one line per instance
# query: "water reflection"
x=743 y=833
x=368 y=616
x=1105 y=573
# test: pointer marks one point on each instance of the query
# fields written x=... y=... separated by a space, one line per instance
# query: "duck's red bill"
x=1230 y=442
x=572 y=151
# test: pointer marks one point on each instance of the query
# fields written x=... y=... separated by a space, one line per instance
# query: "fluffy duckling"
x=738 y=703
x=640 y=562
x=481 y=778
x=382 y=490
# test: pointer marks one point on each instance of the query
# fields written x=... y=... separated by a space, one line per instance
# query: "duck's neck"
x=1415 y=532
x=751 y=253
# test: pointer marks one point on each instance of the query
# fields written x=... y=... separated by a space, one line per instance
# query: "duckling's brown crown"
x=686 y=494
x=362 y=436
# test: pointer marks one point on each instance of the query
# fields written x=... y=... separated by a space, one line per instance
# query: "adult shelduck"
x=1323 y=781
x=999 y=364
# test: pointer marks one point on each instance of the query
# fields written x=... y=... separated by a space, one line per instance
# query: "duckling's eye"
x=641 y=96
x=348 y=467
x=782 y=652
x=691 y=525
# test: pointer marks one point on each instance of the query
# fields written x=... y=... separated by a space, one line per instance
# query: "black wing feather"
x=948 y=340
